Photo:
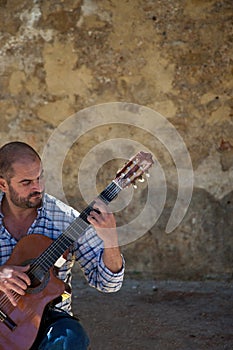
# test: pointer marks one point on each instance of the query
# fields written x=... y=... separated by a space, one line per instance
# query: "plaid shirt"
x=52 y=219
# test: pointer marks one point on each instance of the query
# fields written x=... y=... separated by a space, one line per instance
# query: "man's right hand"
x=14 y=279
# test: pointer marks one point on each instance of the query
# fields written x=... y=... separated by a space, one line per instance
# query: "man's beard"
x=26 y=202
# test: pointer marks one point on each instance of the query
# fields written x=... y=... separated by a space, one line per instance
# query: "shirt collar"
x=41 y=210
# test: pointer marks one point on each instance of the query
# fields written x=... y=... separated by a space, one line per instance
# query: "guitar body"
x=29 y=310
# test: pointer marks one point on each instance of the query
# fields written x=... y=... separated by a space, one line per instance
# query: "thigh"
x=63 y=333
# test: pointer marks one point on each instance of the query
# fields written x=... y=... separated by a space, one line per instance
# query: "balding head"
x=14 y=152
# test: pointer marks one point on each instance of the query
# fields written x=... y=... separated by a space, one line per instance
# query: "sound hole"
x=39 y=278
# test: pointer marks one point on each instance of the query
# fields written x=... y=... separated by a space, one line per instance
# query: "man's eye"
x=26 y=183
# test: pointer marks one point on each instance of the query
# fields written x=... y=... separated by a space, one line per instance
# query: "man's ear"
x=3 y=184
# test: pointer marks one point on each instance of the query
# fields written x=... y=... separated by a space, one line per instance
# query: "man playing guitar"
x=31 y=309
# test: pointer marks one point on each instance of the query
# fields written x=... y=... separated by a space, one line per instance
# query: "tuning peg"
x=147 y=174
x=135 y=186
x=141 y=179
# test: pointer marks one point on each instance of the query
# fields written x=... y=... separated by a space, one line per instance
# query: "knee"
x=77 y=336
x=65 y=334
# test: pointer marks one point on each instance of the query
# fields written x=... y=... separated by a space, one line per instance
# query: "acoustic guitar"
x=19 y=325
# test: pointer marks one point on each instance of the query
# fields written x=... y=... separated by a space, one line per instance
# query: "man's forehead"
x=27 y=167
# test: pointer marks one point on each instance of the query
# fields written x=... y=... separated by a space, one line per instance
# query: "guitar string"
x=6 y=302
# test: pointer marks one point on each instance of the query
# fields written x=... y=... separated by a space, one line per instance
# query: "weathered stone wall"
x=175 y=57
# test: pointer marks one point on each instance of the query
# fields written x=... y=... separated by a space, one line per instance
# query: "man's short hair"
x=12 y=152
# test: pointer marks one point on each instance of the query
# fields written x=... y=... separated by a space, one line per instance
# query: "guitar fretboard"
x=48 y=258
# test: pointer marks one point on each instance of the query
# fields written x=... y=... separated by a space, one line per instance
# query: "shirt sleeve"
x=89 y=250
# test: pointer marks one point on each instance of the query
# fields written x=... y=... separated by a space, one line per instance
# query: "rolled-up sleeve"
x=89 y=251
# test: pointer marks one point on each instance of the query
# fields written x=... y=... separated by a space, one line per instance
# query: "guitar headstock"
x=134 y=169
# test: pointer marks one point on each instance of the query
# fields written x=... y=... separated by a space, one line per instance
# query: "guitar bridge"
x=7 y=321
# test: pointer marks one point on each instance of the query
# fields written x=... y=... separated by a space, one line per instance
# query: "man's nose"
x=37 y=185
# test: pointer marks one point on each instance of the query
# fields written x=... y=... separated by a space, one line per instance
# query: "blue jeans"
x=60 y=331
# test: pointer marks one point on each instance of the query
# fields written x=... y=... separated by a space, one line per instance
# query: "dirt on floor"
x=163 y=315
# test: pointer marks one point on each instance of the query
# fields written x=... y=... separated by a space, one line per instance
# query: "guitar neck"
x=48 y=258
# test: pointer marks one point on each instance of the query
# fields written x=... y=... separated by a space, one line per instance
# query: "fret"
x=86 y=212
x=109 y=193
